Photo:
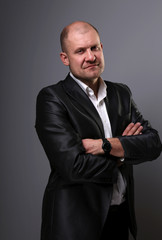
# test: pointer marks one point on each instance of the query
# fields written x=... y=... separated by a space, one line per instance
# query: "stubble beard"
x=90 y=75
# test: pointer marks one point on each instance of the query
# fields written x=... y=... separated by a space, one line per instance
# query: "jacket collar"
x=83 y=102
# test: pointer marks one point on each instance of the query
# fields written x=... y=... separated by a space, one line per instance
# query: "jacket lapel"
x=112 y=107
x=83 y=102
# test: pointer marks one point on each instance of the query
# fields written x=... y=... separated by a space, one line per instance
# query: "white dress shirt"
x=99 y=103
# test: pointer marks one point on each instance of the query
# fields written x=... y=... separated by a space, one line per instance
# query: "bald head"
x=79 y=27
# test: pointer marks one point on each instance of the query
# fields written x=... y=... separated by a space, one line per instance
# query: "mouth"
x=92 y=66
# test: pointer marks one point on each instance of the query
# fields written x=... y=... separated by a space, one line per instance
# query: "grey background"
x=131 y=32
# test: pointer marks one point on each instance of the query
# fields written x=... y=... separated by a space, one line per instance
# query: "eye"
x=80 y=51
x=95 y=48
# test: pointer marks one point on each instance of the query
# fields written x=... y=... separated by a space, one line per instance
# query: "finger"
x=138 y=131
x=134 y=129
x=128 y=128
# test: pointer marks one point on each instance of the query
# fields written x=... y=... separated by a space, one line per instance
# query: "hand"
x=133 y=129
x=93 y=146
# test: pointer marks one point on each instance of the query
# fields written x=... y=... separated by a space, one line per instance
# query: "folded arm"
x=94 y=146
x=139 y=142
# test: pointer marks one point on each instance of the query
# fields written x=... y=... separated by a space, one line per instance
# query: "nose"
x=90 y=57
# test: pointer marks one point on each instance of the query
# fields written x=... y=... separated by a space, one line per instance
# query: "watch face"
x=106 y=146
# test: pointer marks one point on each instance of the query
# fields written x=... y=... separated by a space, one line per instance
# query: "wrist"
x=106 y=146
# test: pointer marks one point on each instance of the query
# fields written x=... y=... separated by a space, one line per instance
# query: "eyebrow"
x=83 y=48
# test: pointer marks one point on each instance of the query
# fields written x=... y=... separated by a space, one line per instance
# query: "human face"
x=84 y=55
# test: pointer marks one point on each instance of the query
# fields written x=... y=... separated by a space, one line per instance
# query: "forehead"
x=82 y=37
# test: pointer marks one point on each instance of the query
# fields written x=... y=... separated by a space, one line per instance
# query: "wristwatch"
x=106 y=146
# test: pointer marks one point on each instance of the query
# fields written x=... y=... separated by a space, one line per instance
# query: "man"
x=92 y=133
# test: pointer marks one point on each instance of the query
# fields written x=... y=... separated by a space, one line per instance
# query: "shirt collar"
x=101 y=91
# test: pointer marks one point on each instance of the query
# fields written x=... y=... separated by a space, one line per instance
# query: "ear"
x=64 y=58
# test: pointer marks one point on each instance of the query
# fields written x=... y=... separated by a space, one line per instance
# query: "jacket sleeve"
x=144 y=147
x=63 y=145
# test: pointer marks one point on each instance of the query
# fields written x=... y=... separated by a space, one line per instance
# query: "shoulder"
x=59 y=88
x=118 y=87
x=52 y=93
x=51 y=89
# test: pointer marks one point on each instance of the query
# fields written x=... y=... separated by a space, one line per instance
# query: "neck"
x=93 y=84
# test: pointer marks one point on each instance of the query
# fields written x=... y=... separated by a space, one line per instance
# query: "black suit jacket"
x=79 y=191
